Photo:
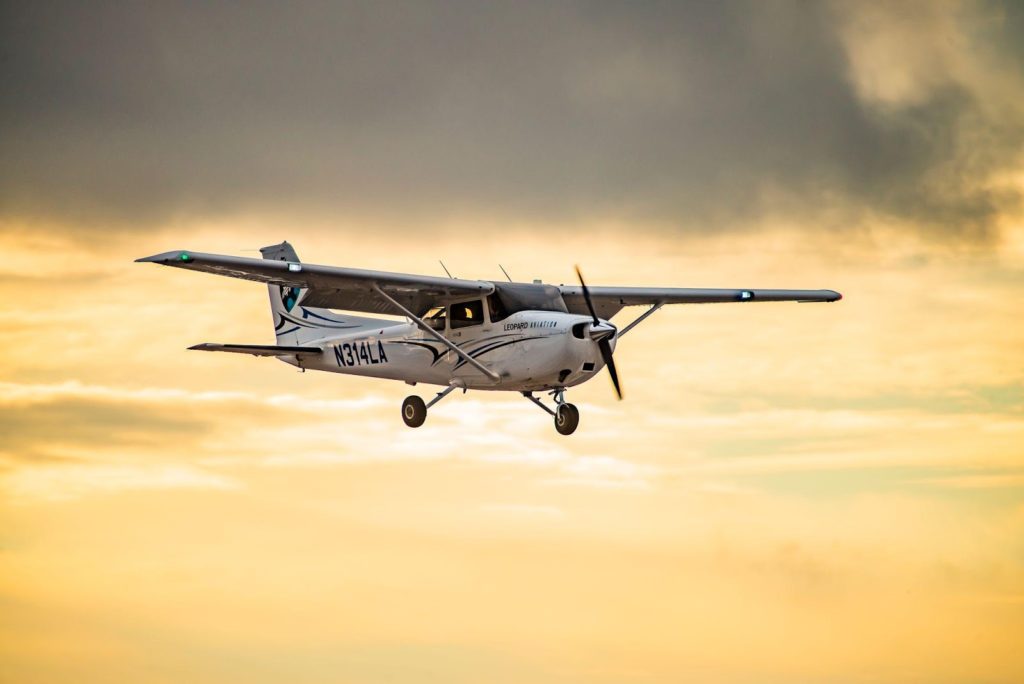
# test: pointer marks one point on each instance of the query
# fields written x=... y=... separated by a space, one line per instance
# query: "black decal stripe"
x=306 y=313
x=439 y=353
x=494 y=345
x=307 y=324
x=488 y=350
x=426 y=344
x=464 y=346
x=285 y=318
x=432 y=350
x=485 y=345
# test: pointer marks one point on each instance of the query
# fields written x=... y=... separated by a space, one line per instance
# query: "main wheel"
x=567 y=417
x=414 y=411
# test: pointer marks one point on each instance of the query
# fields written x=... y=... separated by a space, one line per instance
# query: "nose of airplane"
x=601 y=330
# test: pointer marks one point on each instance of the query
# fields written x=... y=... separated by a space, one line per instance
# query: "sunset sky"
x=788 y=493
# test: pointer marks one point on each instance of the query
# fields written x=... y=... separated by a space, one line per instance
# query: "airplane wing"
x=259 y=349
x=609 y=300
x=333 y=287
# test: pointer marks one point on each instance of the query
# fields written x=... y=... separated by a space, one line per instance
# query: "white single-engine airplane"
x=459 y=334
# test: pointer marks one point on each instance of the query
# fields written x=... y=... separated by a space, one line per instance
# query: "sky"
x=788 y=493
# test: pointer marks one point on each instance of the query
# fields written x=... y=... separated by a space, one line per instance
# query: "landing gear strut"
x=414 y=411
x=566 y=415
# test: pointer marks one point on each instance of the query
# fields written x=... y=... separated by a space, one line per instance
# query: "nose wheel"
x=567 y=418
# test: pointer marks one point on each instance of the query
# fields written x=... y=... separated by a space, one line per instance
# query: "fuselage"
x=529 y=350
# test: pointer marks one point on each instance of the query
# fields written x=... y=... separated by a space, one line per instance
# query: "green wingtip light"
x=184 y=256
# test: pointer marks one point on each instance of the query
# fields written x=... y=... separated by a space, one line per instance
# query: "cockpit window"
x=435 y=317
x=515 y=297
x=467 y=313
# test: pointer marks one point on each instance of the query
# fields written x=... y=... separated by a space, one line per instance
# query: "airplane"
x=455 y=333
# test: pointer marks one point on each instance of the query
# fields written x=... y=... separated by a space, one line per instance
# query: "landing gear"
x=567 y=416
x=414 y=411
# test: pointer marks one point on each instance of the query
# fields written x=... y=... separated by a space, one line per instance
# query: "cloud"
x=214 y=432
x=604 y=472
x=681 y=115
x=66 y=482
x=237 y=431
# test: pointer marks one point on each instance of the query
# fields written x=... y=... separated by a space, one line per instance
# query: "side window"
x=435 y=318
x=467 y=313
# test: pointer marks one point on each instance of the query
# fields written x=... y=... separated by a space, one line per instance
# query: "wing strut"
x=438 y=336
x=640 y=319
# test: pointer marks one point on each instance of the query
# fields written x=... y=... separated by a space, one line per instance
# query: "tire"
x=414 y=411
x=567 y=417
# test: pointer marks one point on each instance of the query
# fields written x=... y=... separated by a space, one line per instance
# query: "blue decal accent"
x=289 y=296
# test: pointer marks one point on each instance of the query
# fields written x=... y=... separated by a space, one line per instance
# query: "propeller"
x=603 y=343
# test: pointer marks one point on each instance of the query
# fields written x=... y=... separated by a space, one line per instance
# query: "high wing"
x=333 y=287
x=608 y=301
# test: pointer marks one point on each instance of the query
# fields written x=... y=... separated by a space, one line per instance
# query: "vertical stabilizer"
x=284 y=299
x=298 y=325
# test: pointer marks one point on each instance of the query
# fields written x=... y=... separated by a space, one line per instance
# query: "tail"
x=298 y=325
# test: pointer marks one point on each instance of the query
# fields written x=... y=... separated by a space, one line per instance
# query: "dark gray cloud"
x=685 y=114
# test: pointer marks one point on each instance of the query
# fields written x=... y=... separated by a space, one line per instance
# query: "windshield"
x=514 y=297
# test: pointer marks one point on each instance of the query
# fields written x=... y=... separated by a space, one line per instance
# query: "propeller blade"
x=604 y=344
x=586 y=297
x=606 y=353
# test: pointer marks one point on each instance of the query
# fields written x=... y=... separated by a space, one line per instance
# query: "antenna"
x=505 y=272
x=446 y=269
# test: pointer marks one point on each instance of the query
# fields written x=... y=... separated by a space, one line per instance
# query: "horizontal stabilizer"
x=259 y=349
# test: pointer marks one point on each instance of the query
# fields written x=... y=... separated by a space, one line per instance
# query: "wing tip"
x=827 y=296
x=183 y=256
